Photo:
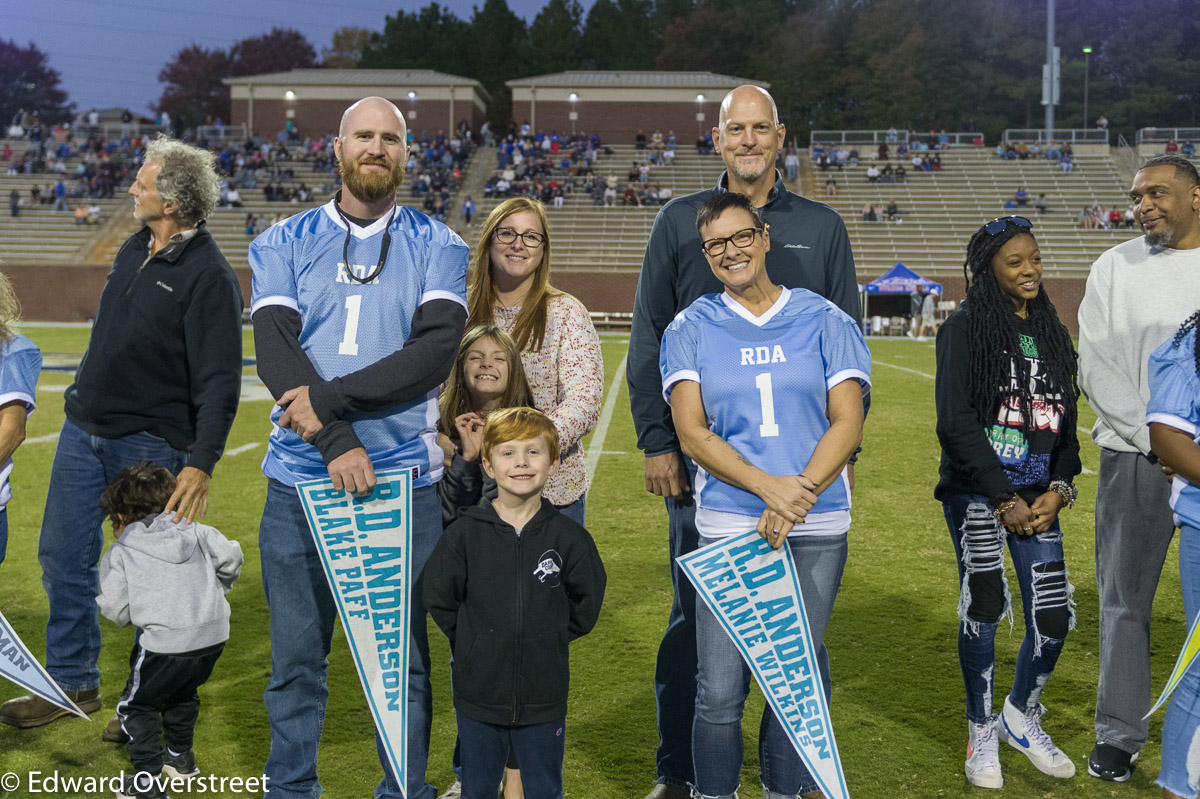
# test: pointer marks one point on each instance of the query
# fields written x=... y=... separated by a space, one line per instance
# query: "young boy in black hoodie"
x=511 y=583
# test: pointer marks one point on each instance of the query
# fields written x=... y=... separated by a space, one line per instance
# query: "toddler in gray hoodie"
x=170 y=580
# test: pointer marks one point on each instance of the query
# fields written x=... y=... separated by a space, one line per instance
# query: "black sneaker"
x=1111 y=763
x=181 y=765
x=141 y=786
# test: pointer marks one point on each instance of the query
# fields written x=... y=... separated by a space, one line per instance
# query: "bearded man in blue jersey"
x=358 y=307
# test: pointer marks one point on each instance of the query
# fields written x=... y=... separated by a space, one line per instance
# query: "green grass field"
x=898 y=706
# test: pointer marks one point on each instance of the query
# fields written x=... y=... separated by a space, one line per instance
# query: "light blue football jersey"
x=20 y=365
x=764 y=382
x=1175 y=402
x=347 y=325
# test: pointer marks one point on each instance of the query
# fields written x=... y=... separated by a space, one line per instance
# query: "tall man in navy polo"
x=809 y=249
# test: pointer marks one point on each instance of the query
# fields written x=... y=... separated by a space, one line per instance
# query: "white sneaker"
x=1024 y=732
x=983 y=755
x=453 y=792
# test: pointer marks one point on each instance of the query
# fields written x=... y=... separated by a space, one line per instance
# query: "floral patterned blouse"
x=567 y=381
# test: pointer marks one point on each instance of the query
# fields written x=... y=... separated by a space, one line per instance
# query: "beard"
x=749 y=175
x=1161 y=238
x=370 y=186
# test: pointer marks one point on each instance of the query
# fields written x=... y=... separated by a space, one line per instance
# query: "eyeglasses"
x=742 y=239
x=506 y=235
x=1001 y=223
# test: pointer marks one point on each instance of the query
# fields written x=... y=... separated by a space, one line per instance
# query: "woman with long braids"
x=1174 y=418
x=1006 y=395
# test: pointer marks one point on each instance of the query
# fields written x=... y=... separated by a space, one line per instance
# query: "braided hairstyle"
x=997 y=349
x=1188 y=326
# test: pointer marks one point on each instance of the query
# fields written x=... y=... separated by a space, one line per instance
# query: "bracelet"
x=1003 y=507
x=1067 y=491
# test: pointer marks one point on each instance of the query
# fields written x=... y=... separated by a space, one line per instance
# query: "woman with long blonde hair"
x=508 y=286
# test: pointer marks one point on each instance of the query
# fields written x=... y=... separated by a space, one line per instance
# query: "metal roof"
x=358 y=77
x=635 y=78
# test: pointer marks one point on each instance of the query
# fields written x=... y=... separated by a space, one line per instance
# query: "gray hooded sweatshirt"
x=170 y=580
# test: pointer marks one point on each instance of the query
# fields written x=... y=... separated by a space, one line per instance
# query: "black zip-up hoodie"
x=510 y=603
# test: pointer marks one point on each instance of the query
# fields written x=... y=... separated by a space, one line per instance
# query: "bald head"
x=748 y=96
x=374 y=108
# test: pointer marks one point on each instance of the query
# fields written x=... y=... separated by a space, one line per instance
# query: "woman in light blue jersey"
x=20 y=363
x=1174 y=418
x=765 y=386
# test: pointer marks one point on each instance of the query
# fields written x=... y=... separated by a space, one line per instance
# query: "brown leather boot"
x=114 y=732
x=33 y=711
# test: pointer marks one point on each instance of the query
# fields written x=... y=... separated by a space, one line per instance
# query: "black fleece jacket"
x=165 y=356
x=510 y=603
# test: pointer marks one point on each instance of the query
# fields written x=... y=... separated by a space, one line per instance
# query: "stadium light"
x=289 y=95
x=700 y=115
x=574 y=115
x=1087 y=68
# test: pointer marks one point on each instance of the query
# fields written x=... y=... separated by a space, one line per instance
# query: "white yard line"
x=596 y=448
x=46 y=439
x=244 y=448
x=903 y=369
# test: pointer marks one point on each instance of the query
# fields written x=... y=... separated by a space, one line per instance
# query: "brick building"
x=616 y=104
x=314 y=99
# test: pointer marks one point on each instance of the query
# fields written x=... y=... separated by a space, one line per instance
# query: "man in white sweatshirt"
x=1138 y=293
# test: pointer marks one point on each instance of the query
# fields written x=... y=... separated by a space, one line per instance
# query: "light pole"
x=700 y=116
x=574 y=98
x=1087 y=64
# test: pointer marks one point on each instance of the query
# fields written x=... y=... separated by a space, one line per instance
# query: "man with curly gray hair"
x=159 y=382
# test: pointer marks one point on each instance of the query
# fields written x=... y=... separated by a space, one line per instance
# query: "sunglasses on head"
x=1000 y=224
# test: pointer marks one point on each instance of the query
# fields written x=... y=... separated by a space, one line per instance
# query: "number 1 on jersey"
x=349 y=344
x=768 y=429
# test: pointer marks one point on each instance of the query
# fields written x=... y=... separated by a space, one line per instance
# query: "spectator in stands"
x=934 y=163
x=81 y=214
x=868 y=212
x=902 y=151
x=878 y=212
x=93 y=214
x=1138 y=293
x=610 y=196
x=1130 y=219
x=468 y=209
x=1041 y=203
x=1188 y=150
x=1172 y=147
x=639 y=141
x=631 y=196
x=250 y=224
x=893 y=210
x=918 y=162
x=830 y=187
x=233 y=197
x=914 y=310
x=1085 y=219
x=1064 y=160
x=664 y=194
x=901 y=172
x=1021 y=197
x=35 y=195
x=792 y=162
x=883 y=151
x=1114 y=218
x=1102 y=123
x=1022 y=151
x=872 y=174
x=60 y=196
x=14 y=202
x=674 y=274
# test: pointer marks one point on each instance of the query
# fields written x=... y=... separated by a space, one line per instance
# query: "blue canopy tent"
x=897 y=280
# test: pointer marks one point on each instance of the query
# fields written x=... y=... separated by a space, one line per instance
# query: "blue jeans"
x=576 y=511
x=485 y=748
x=1181 y=727
x=723 y=683
x=984 y=599
x=302 y=615
x=72 y=539
x=675 y=671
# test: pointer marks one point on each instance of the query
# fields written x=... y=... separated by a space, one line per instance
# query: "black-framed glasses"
x=741 y=239
x=383 y=249
x=532 y=239
x=1001 y=223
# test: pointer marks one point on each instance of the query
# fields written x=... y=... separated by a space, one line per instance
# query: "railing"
x=1073 y=135
x=220 y=133
x=1148 y=135
x=877 y=137
x=116 y=130
x=1127 y=160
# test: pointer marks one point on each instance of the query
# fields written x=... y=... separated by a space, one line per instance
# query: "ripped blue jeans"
x=984 y=600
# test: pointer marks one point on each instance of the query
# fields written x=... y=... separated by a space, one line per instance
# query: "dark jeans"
x=486 y=748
